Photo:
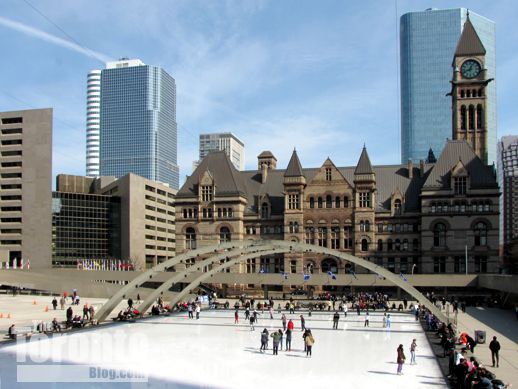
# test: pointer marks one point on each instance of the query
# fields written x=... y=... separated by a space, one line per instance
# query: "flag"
x=403 y=276
x=354 y=275
x=28 y=264
x=307 y=277
x=261 y=271
x=284 y=275
x=331 y=274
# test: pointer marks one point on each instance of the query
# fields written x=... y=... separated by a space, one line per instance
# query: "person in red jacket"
x=291 y=326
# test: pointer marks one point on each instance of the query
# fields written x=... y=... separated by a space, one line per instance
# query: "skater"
x=264 y=340
x=400 y=359
x=345 y=310
x=130 y=303
x=336 y=317
x=310 y=341
x=270 y=311
x=385 y=320
x=276 y=339
x=288 y=339
x=366 y=324
x=198 y=309
x=389 y=320
x=292 y=308
x=279 y=309
x=62 y=302
x=494 y=346
x=304 y=335
x=291 y=325
x=413 y=347
x=54 y=303
x=252 y=323
x=302 y=322
x=247 y=313
x=283 y=318
x=255 y=315
x=189 y=310
x=358 y=309
x=281 y=339
x=236 y=316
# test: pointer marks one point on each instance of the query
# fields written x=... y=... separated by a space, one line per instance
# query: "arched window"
x=362 y=226
x=320 y=202
x=380 y=245
x=346 y=202
x=471 y=117
x=190 y=238
x=264 y=210
x=397 y=207
x=480 y=93
x=463 y=122
x=309 y=268
x=224 y=235
x=397 y=245
x=337 y=202
x=365 y=245
x=329 y=264
x=462 y=93
x=439 y=235
x=389 y=245
x=480 y=233
x=487 y=206
x=468 y=93
x=329 y=202
x=480 y=116
x=311 y=202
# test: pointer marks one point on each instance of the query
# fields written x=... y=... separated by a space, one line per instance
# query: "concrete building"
x=93 y=122
x=138 y=131
x=130 y=218
x=508 y=180
x=428 y=41
x=26 y=187
x=223 y=141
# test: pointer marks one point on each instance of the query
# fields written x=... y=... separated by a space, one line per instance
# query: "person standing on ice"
x=366 y=319
x=252 y=323
x=264 y=340
x=270 y=311
x=384 y=319
x=389 y=321
x=309 y=341
x=236 y=316
x=288 y=338
x=302 y=323
x=336 y=318
x=247 y=313
x=198 y=310
x=345 y=309
x=400 y=359
x=276 y=339
x=413 y=347
x=283 y=318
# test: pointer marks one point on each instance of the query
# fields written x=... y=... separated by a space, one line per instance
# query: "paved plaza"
x=213 y=352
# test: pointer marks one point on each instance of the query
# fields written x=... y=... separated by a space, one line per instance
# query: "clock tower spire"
x=469 y=91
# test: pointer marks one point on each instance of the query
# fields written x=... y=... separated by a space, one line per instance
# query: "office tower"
x=93 y=113
x=508 y=180
x=428 y=41
x=223 y=141
x=138 y=122
x=25 y=184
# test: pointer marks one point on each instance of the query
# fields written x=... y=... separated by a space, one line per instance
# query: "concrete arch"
x=252 y=249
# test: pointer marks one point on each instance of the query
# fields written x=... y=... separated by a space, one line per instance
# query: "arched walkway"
x=240 y=251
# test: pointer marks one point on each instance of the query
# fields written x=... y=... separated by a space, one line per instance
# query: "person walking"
x=247 y=313
x=413 y=347
x=302 y=323
x=366 y=324
x=236 y=316
x=198 y=310
x=385 y=320
x=283 y=318
x=288 y=339
x=494 y=346
x=62 y=302
x=389 y=320
x=336 y=318
x=54 y=303
x=252 y=323
x=85 y=312
x=310 y=341
x=264 y=340
x=277 y=335
x=400 y=359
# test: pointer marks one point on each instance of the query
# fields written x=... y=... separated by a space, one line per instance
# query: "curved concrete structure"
x=251 y=249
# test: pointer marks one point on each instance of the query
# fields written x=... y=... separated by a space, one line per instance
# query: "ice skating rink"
x=213 y=352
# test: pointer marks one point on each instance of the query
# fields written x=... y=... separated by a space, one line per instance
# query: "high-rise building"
x=93 y=118
x=138 y=122
x=428 y=41
x=223 y=141
x=508 y=180
x=25 y=185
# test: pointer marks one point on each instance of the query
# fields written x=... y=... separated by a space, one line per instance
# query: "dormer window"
x=397 y=207
x=206 y=193
x=459 y=185
x=328 y=174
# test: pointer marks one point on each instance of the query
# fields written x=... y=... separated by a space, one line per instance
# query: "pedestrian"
x=389 y=320
x=91 y=311
x=413 y=347
x=288 y=339
x=11 y=332
x=302 y=323
x=264 y=340
x=130 y=303
x=310 y=341
x=291 y=325
x=276 y=339
x=85 y=312
x=494 y=346
x=336 y=318
x=281 y=339
x=236 y=316
x=345 y=309
x=358 y=309
x=54 y=303
x=198 y=309
x=252 y=323
x=283 y=318
x=270 y=311
x=62 y=302
x=255 y=314
x=292 y=308
x=366 y=324
x=472 y=344
x=400 y=359
x=385 y=320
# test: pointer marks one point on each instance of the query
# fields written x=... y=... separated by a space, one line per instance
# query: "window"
x=380 y=245
x=293 y=201
x=405 y=244
x=471 y=117
x=415 y=244
x=480 y=117
x=403 y=265
x=250 y=265
x=224 y=235
x=439 y=235
x=310 y=235
x=293 y=266
x=389 y=245
x=346 y=202
x=397 y=245
x=365 y=245
x=480 y=264
x=322 y=236
x=328 y=174
x=391 y=265
x=190 y=238
x=12 y=120
x=397 y=207
x=206 y=193
x=311 y=202
x=365 y=199
x=189 y=263
x=348 y=240
x=264 y=211
x=337 y=202
x=380 y=227
x=460 y=184
x=329 y=202
x=329 y=264
x=459 y=264
x=480 y=234
x=335 y=238
x=293 y=227
x=439 y=264
x=320 y=202
x=463 y=122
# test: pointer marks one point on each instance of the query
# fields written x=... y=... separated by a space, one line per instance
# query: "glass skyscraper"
x=428 y=40
x=138 y=130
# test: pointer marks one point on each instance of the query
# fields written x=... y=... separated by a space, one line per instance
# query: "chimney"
x=421 y=168
x=264 y=172
x=410 y=169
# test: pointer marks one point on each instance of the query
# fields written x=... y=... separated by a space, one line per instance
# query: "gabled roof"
x=481 y=176
x=294 y=168
x=469 y=42
x=364 y=165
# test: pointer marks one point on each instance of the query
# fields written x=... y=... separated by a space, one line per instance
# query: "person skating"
x=358 y=309
x=302 y=323
x=413 y=347
x=264 y=340
x=255 y=314
x=189 y=310
x=270 y=311
x=236 y=316
x=54 y=303
x=400 y=359
x=291 y=325
x=277 y=335
x=283 y=318
x=336 y=318
x=309 y=341
x=345 y=310
x=306 y=333
x=281 y=338
x=247 y=313
x=288 y=339
x=494 y=346
x=385 y=320
x=366 y=324
x=389 y=321
x=198 y=310
x=252 y=323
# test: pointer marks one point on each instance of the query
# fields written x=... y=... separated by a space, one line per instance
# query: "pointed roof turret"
x=431 y=157
x=294 y=168
x=364 y=165
x=469 y=42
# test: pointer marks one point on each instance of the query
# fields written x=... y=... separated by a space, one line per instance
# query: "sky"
x=318 y=76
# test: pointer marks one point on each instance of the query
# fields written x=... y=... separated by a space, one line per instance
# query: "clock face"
x=470 y=68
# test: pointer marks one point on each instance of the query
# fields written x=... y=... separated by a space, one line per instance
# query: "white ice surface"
x=213 y=352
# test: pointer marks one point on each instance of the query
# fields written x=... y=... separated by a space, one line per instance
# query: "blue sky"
x=320 y=76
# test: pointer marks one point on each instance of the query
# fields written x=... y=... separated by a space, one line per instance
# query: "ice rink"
x=213 y=352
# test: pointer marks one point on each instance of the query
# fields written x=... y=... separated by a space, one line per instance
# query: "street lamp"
x=413 y=267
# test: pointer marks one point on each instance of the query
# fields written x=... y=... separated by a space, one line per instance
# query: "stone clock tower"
x=469 y=91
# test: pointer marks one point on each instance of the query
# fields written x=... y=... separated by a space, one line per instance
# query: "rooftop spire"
x=364 y=165
x=469 y=42
x=294 y=168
